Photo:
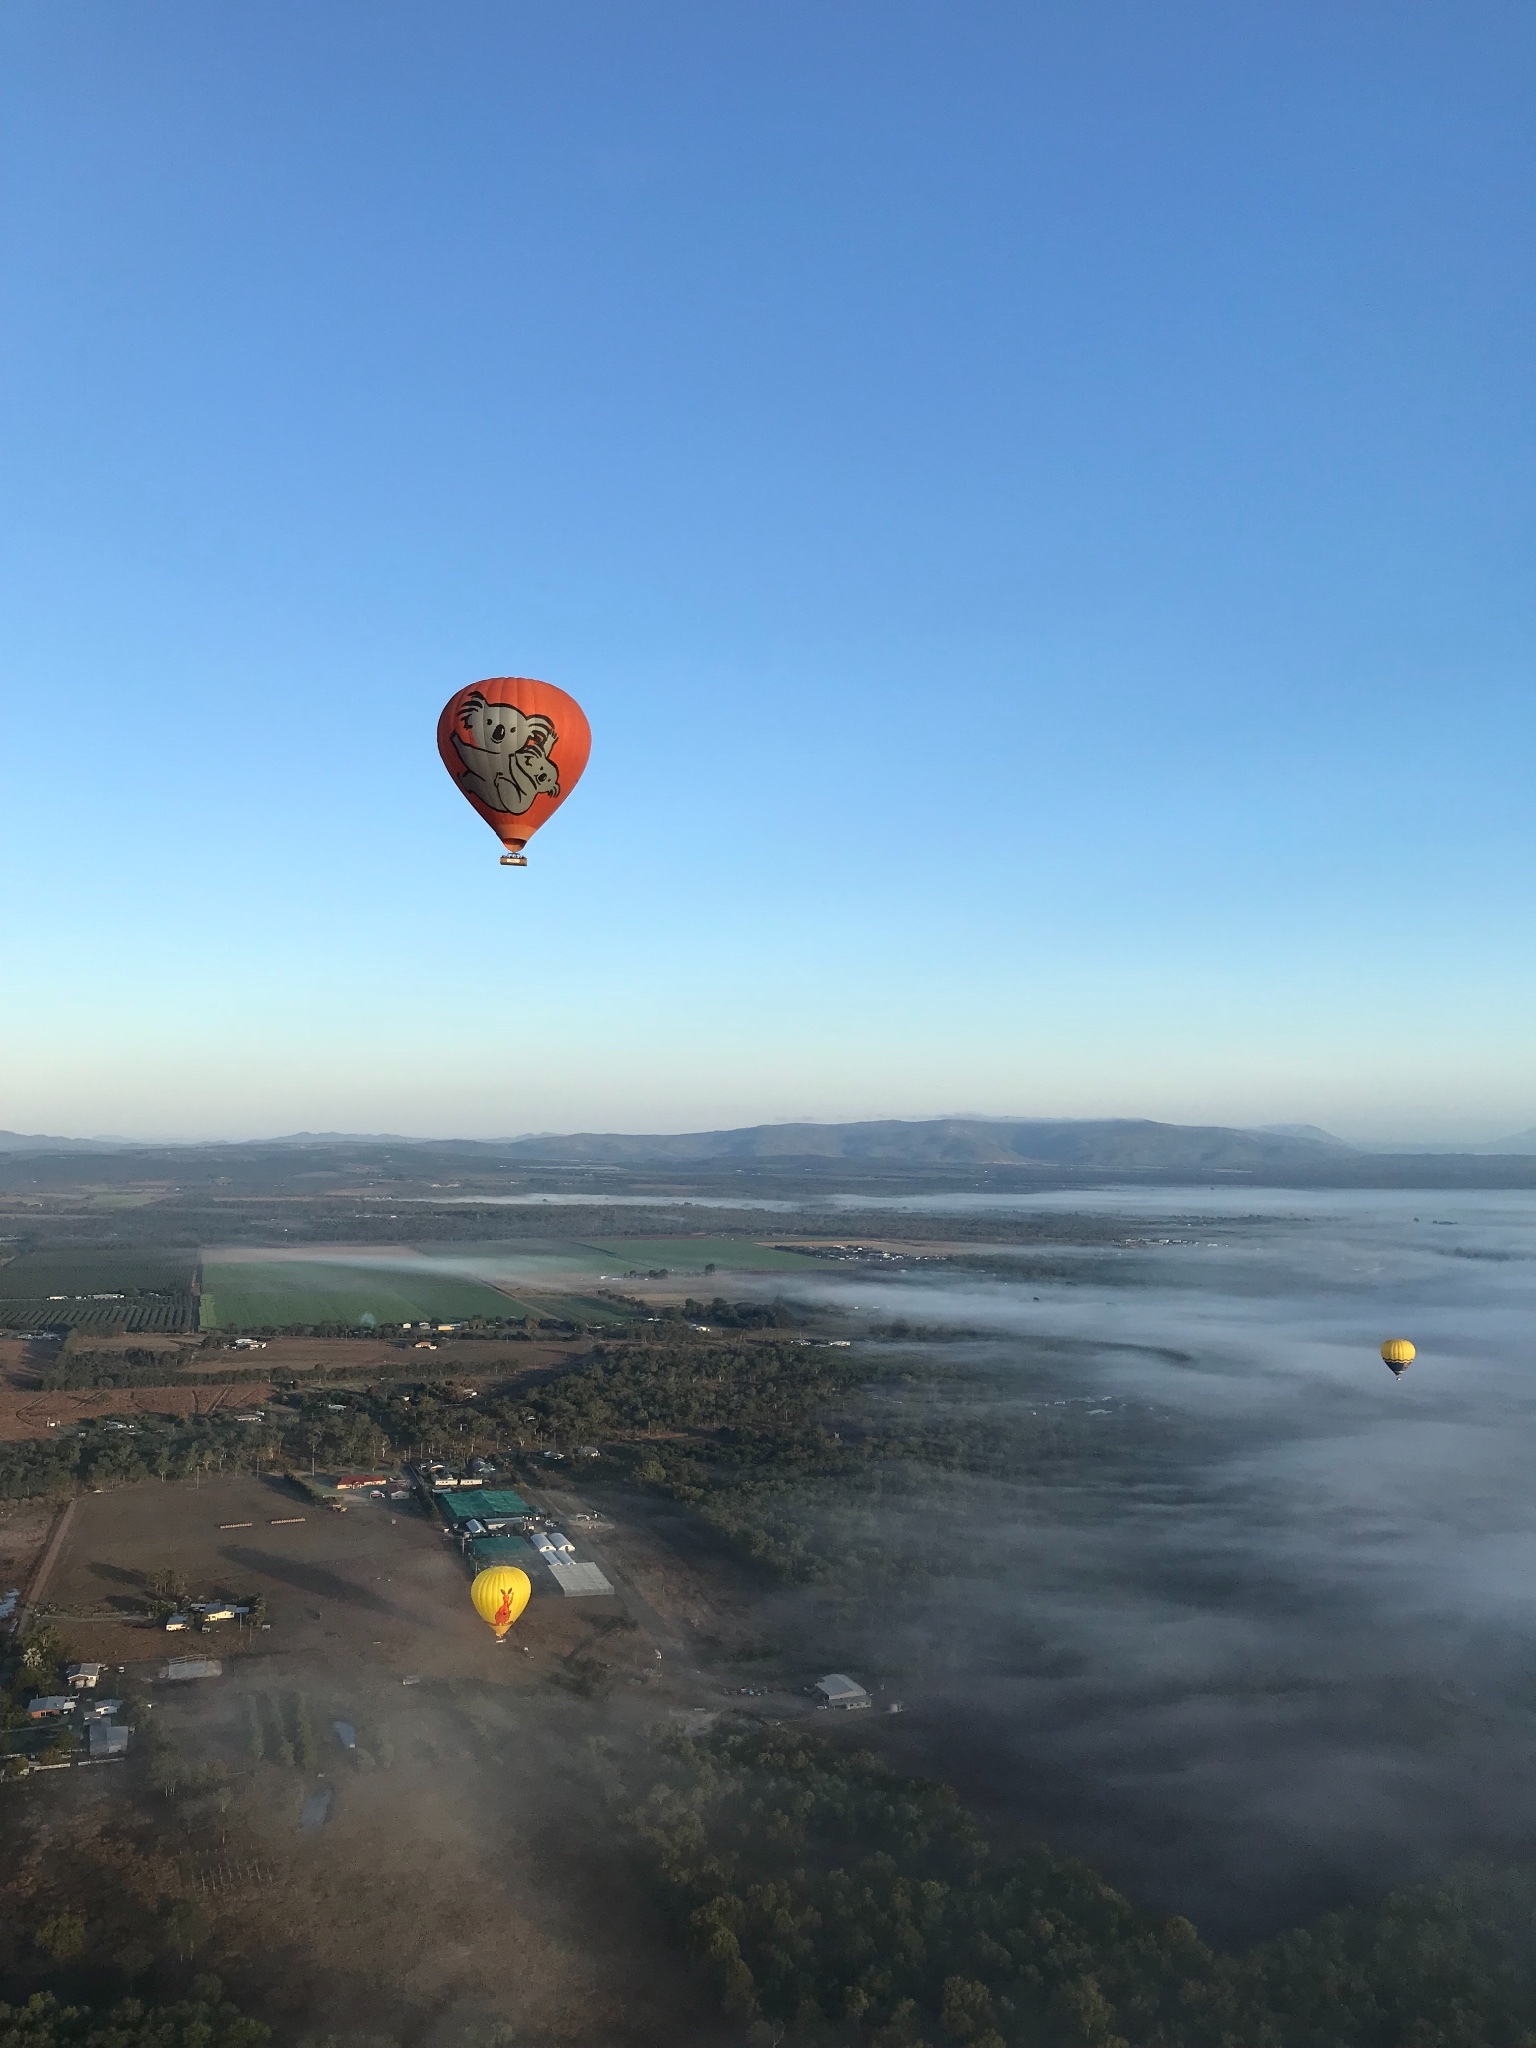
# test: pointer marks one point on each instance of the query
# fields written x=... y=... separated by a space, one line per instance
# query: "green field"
x=693 y=1254
x=256 y=1294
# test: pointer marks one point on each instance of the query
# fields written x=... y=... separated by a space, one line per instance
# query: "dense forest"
x=205 y=2021
x=839 y=1903
x=812 y=1460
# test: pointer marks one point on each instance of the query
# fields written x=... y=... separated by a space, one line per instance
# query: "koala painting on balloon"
x=497 y=739
x=505 y=754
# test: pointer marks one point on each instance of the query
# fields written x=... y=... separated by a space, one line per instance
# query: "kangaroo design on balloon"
x=506 y=755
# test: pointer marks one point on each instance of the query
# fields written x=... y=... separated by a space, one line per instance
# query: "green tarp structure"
x=475 y=1503
x=498 y=1550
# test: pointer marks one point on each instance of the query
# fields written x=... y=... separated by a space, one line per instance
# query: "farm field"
x=250 y=1293
x=563 y=1263
x=162 y=1314
x=143 y=1290
x=93 y=1271
x=572 y=1308
x=693 y=1254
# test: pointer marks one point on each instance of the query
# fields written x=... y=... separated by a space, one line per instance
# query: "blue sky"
x=1036 y=502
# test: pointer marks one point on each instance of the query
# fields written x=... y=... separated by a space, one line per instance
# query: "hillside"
x=1129 y=1145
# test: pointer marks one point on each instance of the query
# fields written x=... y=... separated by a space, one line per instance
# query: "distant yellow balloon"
x=1397 y=1354
x=500 y=1594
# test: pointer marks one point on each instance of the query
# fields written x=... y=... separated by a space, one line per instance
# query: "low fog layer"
x=1263 y=1637
x=1276 y=1647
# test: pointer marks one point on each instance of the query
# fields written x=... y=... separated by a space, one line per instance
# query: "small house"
x=107 y=1738
x=83 y=1677
x=51 y=1707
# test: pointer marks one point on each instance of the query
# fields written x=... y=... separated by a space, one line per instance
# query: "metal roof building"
x=577 y=1581
x=193 y=1667
x=838 y=1690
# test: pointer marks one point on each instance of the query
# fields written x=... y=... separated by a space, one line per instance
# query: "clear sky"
x=1035 y=499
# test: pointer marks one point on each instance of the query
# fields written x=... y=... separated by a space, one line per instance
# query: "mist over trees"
x=839 y=1904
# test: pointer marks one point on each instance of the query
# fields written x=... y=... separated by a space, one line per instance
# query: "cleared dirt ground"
x=28 y=1414
x=468 y=1873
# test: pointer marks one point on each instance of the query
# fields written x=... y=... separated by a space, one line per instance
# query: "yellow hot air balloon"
x=1397 y=1354
x=500 y=1594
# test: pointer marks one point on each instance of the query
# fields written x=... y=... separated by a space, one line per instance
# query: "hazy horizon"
x=1494 y=1132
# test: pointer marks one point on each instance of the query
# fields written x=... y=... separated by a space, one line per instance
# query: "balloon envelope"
x=516 y=747
x=500 y=1594
x=1397 y=1354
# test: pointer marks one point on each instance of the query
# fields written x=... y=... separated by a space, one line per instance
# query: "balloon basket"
x=514 y=860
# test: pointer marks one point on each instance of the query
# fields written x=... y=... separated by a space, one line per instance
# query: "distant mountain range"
x=22 y=1141
x=1108 y=1146
x=1093 y=1145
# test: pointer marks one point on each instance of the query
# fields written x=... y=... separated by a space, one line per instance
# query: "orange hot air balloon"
x=516 y=747
x=500 y=1594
